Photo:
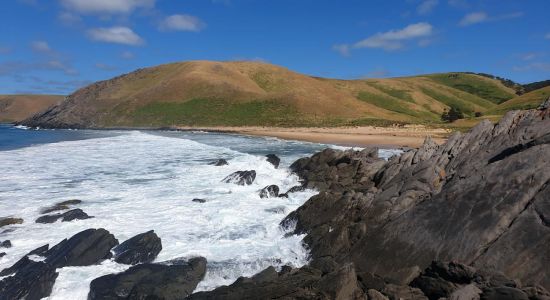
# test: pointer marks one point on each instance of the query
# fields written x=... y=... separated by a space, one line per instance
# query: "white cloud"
x=127 y=55
x=181 y=23
x=41 y=47
x=68 y=18
x=106 y=6
x=535 y=66
x=17 y=67
x=391 y=40
x=116 y=35
x=482 y=17
x=426 y=7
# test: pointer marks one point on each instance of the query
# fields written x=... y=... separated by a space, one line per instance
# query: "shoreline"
x=407 y=136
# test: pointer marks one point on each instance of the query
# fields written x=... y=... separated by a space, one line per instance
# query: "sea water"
x=136 y=181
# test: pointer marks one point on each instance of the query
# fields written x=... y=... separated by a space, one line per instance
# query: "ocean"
x=136 y=181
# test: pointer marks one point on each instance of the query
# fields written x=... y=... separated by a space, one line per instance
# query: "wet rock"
x=219 y=162
x=10 y=221
x=2 y=254
x=150 y=281
x=295 y=189
x=60 y=206
x=88 y=247
x=273 y=159
x=303 y=283
x=74 y=214
x=142 y=248
x=40 y=250
x=34 y=280
x=241 y=177
x=276 y=210
x=199 y=200
x=5 y=244
x=24 y=261
x=269 y=191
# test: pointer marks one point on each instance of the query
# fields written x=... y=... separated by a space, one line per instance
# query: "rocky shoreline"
x=469 y=219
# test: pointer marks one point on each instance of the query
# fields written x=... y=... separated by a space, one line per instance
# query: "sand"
x=402 y=136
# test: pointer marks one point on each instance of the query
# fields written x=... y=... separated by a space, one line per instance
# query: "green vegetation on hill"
x=486 y=89
x=526 y=101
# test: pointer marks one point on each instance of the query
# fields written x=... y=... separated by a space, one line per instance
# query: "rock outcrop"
x=269 y=191
x=241 y=177
x=150 y=281
x=274 y=160
x=71 y=215
x=220 y=162
x=10 y=221
x=480 y=199
x=142 y=248
x=64 y=205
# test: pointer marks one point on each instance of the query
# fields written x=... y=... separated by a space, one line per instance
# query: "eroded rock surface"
x=142 y=248
x=241 y=177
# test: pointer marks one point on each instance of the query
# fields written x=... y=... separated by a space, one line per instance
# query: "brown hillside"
x=14 y=108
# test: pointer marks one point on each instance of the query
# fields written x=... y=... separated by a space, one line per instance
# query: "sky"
x=58 y=46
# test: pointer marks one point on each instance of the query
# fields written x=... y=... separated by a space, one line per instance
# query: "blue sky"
x=56 y=46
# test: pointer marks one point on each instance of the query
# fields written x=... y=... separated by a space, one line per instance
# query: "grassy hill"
x=15 y=108
x=526 y=101
x=207 y=93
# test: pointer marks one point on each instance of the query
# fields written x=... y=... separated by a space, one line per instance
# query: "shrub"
x=452 y=114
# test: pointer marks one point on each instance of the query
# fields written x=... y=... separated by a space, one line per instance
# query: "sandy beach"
x=405 y=136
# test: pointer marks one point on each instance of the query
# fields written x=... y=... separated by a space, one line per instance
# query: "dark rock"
x=5 y=244
x=150 y=281
x=219 y=162
x=295 y=189
x=303 y=283
x=60 y=206
x=74 y=214
x=273 y=159
x=24 y=261
x=88 y=247
x=241 y=177
x=269 y=191
x=545 y=105
x=40 y=250
x=276 y=210
x=34 y=280
x=142 y=248
x=2 y=254
x=503 y=293
x=434 y=287
x=10 y=221
x=199 y=200
x=399 y=292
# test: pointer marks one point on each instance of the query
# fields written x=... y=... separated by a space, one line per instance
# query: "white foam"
x=136 y=182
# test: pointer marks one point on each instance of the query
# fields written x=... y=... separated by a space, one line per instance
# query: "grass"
x=464 y=106
x=396 y=93
x=474 y=85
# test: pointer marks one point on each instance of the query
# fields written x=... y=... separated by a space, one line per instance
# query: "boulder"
x=23 y=261
x=295 y=189
x=241 y=177
x=10 y=221
x=273 y=159
x=142 y=248
x=219 y=162
x=5 y=244
x=64 y=205
x=269 y=191
x=199 y=200
x=2 y=254
x=150 y=281
x=503 y=293
x=88 y=247
x=74 y=214
x=34 y=280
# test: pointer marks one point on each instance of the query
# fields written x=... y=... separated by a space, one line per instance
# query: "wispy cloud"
x=105 y=67
x=390 y=40
x=181 y=23
x=127 y=55
x=18 y=67
x=5 y=49
x=547 y=36
x=426 y=7
x=106 y=6
x=41 y=47
x=68 y=18
x=483 y=17
x=535 y=66
x=116 y=35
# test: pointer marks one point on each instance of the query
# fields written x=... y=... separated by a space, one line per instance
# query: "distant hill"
x=526 y=101
x=207 y=93
x=14 y=108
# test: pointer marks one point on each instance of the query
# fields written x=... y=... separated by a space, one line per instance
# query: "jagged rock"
x=2 y=254
x=303 y=283
x=295 y=189
x=74 y=214
x=32 y=281
x=23 y=261
x=467 y=292
x=60 y=206
x=142 y=248
x=376 y=295
x=5 y=244
x=503 y=293
x=273 y=159
x=219 y=162
x=40 y=250
x=479 y=199
x=88 y=247
x=545 y=105
x=269 y=191
x=199 y=200
x=241 y=177
x=399 y=292
x=150 y=281
x=10 y=221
